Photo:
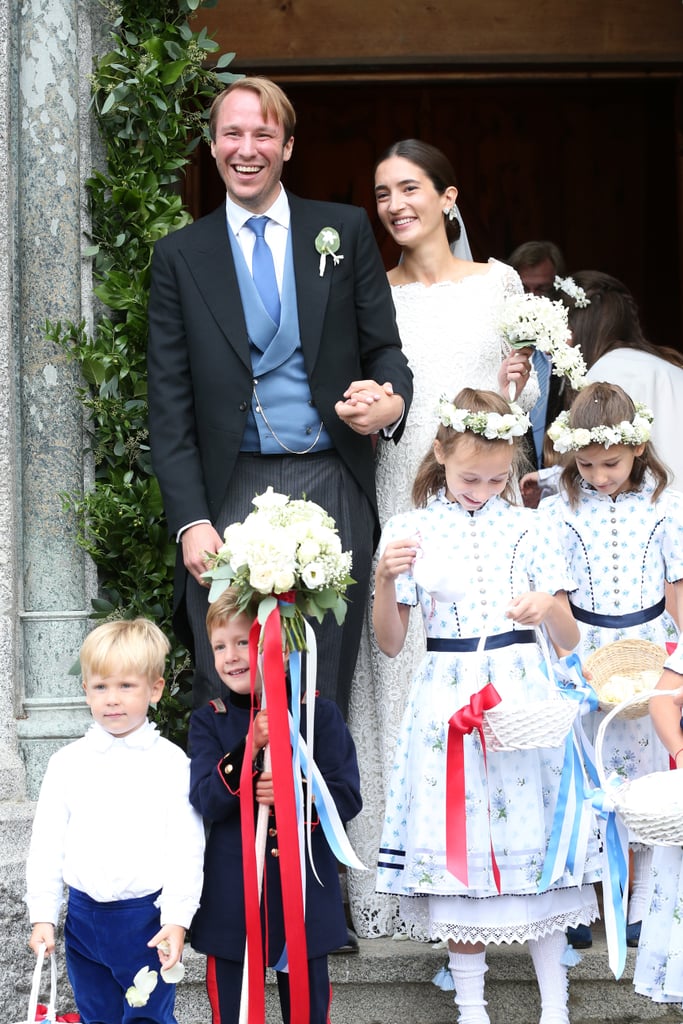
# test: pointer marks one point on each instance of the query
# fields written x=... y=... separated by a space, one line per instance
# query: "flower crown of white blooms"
x=494 y=426
x=566 y=439
x=569 y=286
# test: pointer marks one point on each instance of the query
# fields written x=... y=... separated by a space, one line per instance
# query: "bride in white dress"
x=446 y=309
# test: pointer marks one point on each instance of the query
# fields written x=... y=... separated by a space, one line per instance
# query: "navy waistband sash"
x=619 y=621
x=471 y=643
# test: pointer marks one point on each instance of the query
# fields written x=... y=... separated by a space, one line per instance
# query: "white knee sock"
x=546 y=954
x=467 y=971
x=642 y=862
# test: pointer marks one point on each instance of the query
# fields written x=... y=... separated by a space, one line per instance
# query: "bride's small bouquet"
x=538 y=322
x=288 y=550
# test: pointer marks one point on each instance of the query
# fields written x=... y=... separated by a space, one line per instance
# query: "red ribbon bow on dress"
x=465 y=720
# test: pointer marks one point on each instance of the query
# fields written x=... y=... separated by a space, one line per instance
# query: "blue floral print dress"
x=492 y=556
x=620 y=554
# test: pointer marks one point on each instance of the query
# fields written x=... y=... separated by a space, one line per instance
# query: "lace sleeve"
x=512 y=283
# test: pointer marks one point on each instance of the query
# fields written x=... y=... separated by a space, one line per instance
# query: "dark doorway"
x=589 y=162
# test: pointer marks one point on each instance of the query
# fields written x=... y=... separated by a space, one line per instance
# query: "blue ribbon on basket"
x=614 y=876
x=572 y=820
x=573 y=684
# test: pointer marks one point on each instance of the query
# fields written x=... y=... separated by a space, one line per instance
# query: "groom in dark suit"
x=273 y=357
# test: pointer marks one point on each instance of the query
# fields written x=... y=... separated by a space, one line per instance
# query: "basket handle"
x=636 y=698
x=540 y=640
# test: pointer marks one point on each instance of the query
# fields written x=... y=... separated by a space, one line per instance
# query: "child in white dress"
x=481 y=569
x=659 y=964
x=622 y=531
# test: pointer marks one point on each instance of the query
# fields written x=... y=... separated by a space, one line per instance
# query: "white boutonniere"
x=327 y=244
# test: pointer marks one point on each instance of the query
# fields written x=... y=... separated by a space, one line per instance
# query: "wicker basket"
x=538 y=723
x=651 y=806
x=624 y=658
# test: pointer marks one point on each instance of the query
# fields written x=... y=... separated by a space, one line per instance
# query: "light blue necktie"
x=538 y=414
x=263 y=269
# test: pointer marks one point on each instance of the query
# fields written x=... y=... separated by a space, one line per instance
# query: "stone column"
x=54 y=602
x=45 y=579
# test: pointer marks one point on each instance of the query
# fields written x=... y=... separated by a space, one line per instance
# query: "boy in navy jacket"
x=218 y=734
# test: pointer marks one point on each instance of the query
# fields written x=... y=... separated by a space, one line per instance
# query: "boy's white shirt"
x=114 y=820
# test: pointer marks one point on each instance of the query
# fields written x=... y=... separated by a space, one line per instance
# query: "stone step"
x=389 y=982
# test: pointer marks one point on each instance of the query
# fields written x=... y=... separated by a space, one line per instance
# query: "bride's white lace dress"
x=449 y=335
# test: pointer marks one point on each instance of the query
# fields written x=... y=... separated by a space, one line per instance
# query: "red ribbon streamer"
x=256 y=1000
x=274 y=683
x=462 y=723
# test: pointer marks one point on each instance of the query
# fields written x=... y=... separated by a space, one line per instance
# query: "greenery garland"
x=150 y=93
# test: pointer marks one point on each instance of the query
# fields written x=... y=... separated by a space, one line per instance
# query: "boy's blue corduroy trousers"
x=106 y=945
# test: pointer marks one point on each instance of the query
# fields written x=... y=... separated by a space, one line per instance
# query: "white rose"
x=309 y=550
x=582 y=437
x=313 y=575
x=283 y=581
x=262 y=578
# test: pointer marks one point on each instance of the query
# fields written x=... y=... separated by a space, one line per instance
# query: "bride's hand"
x=515 y=370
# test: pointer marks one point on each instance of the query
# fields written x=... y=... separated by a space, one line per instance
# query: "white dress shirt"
x=114 y=820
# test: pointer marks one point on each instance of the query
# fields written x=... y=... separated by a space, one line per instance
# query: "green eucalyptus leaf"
x=266 y=606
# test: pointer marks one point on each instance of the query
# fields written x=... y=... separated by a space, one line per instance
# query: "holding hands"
x=369 y=407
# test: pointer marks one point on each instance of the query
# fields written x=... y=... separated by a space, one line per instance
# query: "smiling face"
x=475 y=470
x=608 y=470
x=250 y=151
x=119 y=702
x=409 y=206
x=230 y=646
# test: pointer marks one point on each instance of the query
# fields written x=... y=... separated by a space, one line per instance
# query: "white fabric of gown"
x=449 y=335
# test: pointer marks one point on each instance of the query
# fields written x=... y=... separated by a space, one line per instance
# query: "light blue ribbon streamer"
x=305 y=767
x=614 y=878
x=563 y=845
x=573 y=684
x=569 y=834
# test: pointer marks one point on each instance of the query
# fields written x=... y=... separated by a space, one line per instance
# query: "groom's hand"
x=197 y=541
x=369 y=407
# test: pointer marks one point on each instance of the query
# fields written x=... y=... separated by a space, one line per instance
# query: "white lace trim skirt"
x=497 y=919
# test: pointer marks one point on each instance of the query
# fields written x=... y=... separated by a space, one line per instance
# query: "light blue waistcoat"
x=277 y=363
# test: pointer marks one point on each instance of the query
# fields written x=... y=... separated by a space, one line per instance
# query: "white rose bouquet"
x=284 y=547
x=539 y=322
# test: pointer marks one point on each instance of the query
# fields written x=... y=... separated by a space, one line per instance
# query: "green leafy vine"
x=149 y=97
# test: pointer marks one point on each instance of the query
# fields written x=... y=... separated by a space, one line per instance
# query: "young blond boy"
x=217 y=750
x=114 y=823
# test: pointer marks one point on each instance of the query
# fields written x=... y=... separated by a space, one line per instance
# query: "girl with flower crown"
x=622 y=532
x=486 y=579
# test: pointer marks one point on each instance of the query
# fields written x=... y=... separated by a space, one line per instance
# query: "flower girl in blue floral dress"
x=486 y=577
x=622 y=533
x=659 y=965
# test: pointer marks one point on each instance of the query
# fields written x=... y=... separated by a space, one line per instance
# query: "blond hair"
x=226 y=607
x=126 y=645
x=274 y=103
